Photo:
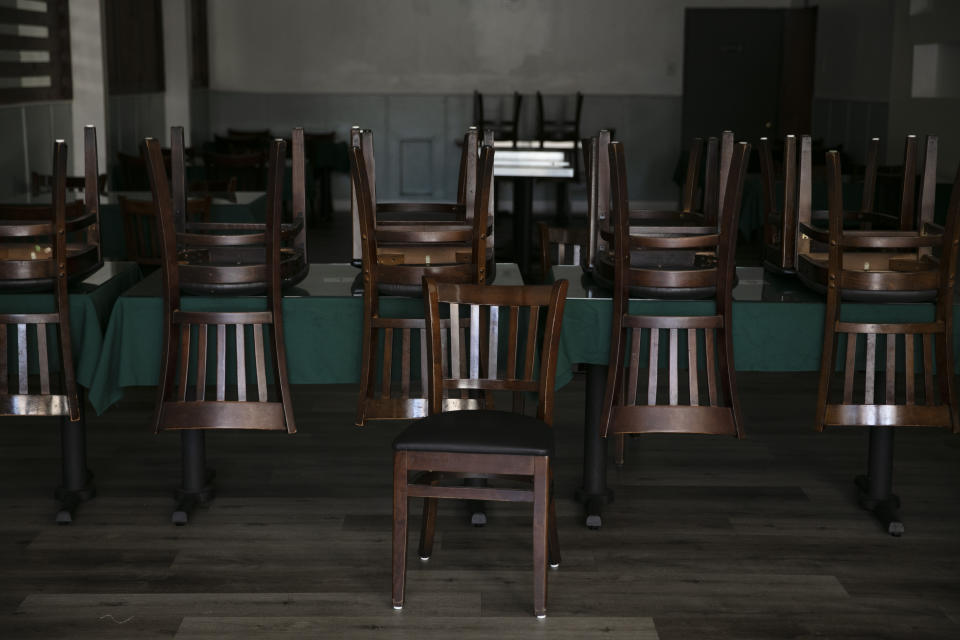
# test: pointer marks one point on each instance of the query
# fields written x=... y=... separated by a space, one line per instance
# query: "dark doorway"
x=748 y=70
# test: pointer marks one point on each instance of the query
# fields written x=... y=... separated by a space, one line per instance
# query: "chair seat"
x=480 y=431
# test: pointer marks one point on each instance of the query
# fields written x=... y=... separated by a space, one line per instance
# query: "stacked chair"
x=396 y=256
x=712 y=403
x=45 y=248
x=877 y=372
x=210 y=258
x=673 y=271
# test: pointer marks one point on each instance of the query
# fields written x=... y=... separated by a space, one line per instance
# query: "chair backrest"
x=779 y=222
x=28 y=225
x=561 y=127
x=915 y=270
x=487 y=341
x=228 y=257
x=720 y=239
x=466 y=186
x=374 y=272
x=183 y=401
x=566 y=243
x=704 y=202
x=503 y=128
x=30 y=330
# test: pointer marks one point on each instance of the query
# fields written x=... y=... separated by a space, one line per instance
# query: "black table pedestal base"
x=77 y=483
x=197 y=482
x=875 y=488
x=594 y=493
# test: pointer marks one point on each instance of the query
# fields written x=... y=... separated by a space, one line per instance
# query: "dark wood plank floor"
x=708 y=537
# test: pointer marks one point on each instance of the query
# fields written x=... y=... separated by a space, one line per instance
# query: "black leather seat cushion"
x=479 y=431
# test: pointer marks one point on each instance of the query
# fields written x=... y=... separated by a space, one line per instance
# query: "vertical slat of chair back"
x=470 y=346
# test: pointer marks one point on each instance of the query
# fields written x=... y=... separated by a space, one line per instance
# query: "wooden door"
x=747 y=70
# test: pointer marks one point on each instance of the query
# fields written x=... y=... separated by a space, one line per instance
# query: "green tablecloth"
x=777 y=323
x=91 y=302
x=322 y=324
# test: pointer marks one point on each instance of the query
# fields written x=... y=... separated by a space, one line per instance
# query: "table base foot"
x=593 y=506
x=70 y=499
x=885 y=509
x=188 y=500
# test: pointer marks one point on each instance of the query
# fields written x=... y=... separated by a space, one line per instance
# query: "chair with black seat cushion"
x=886 y=368
x=485 y=342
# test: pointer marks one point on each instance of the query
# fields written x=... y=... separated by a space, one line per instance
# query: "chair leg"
x=553 y=543
x=399 y=526
x=427 y=526
x=541 y=490
x=828 y=355
x=620 y=450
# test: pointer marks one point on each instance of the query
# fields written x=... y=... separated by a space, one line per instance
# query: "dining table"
x=91 y=302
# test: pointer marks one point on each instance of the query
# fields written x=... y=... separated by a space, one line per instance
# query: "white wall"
x=854 y=49
x=606 y=47
x=938 y=22
x=89 y=88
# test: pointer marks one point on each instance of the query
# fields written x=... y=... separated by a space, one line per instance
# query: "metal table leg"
x=594 y=492
x=197 y=481
x=876 y=488
x=77 y=481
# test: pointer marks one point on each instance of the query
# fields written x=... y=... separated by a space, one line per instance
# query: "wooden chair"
x=436 y=232
x=712 y=404
x=43 y=183
x=186 y=401
x=26 y=266
x=560 y=239
x=812 y=244
x=903 y=371
x=485 y=442
x=387 y=276
x=141 y=231
x=780 y=221
x=689 y=269
x=208 y=255
x=40 y=380
x=560 y=127
x=502 y=128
